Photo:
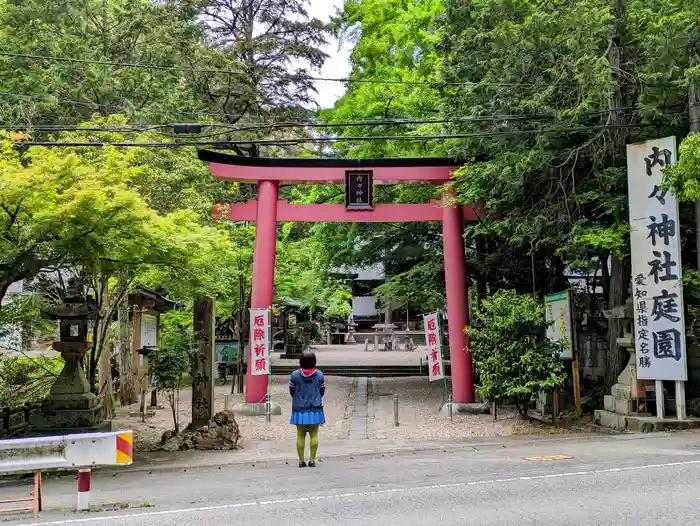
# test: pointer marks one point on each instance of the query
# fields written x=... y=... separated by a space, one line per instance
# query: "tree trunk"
x=127 y=387
x=694 y=118
x=620 y=275
x=99 y=331
x=621 y=95
x=105 y=379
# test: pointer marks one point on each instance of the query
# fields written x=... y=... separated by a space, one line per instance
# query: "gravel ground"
x=419 y=403
x=147 y=435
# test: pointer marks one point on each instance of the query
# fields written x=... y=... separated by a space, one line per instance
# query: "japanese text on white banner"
x=656 y=263
x=259 y=342
x=434 y=341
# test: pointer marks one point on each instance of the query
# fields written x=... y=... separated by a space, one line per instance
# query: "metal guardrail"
x=61 y=453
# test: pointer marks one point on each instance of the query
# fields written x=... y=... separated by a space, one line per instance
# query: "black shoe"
x=302 y=464
x=312 y=463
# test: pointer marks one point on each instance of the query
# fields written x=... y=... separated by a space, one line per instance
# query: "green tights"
x=301 y=441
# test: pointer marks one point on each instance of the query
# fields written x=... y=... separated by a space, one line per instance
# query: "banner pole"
x=268 y=405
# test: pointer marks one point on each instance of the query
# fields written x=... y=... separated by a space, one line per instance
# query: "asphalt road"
x=628 y=480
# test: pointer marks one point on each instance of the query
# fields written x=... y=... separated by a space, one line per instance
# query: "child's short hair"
x=307 y=360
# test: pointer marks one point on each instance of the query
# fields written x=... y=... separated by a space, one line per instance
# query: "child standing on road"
x=307 y=387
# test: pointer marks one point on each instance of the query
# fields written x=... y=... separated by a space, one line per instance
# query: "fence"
x=14 y=420
x=592 y=350
x=78 y=453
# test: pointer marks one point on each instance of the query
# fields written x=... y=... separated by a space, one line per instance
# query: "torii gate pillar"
x=456 y=289
x=263 y=293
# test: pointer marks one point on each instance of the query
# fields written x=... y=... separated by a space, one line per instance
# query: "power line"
x=157 y=67
x=261 y=126
x=306 y=140
x=96 y=106
x=227 y=128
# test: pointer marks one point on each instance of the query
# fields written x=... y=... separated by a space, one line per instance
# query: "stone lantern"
x=351 y=330
x=70 y=406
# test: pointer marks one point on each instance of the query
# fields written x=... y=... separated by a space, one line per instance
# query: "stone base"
x=610 y=419
x=621 y=406
x=246 y=409
x=74 y=402
x=64 y=412
x=648 y=424
x=103 y=427
x=465 y=409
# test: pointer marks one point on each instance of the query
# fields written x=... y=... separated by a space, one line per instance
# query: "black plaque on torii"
x=359 y=190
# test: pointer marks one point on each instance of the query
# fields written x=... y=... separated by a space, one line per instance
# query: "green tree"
x=58 y=208
x=301 y=277
x=394 y=44
x=46 y=91
x=394 y=48
x=555 y=92
x=173 y=359
x=513 y=357
x=272 y=45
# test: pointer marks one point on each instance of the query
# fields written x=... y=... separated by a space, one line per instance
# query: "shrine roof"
x=430 y=170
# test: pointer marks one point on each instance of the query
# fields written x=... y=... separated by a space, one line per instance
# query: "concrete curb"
x=384 y=450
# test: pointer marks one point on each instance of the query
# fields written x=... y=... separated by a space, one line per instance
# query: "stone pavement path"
x=358 y=420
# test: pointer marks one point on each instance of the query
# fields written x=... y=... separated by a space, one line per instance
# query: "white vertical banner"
x=558 y=311
x=433 y=340
x=659 y=326
x=259 y=342
x=149 y=330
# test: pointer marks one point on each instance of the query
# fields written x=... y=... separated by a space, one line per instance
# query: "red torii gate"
x=269 y=173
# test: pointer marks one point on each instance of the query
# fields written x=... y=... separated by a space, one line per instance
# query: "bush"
x=694 y=407
x=169 y=365
x=511 y=353
x=26 y=380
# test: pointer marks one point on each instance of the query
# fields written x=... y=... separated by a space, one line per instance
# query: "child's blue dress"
x=307 y=388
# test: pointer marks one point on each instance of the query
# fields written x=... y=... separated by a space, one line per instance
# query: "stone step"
x=610 y=419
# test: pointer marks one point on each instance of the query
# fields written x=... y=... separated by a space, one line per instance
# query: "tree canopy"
x=535 y=102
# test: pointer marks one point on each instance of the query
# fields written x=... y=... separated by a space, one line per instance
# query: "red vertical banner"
x=259 y=342
x=433 y=340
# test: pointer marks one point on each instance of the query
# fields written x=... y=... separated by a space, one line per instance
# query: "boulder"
x=222 y=433
x=174 y=443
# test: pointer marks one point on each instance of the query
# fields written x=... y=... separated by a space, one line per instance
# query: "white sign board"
x=659 y=327
x=259 y=342
x=558 y=311
x=433 y=340
x=149 y=330
x=364 y=305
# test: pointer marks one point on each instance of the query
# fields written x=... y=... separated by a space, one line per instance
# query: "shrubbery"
x=27 y=380
x=511 y=353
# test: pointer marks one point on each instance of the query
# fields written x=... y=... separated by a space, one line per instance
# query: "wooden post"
x=144 y=371
x=680 y=400
x=35 y=499
x=203 y=366
x=135 y=346
x=577 y=387
x=659 y=388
